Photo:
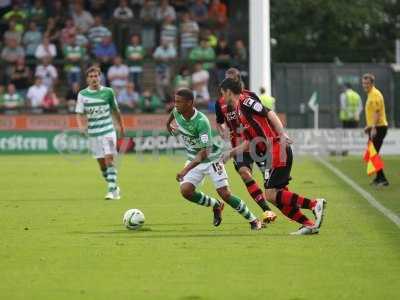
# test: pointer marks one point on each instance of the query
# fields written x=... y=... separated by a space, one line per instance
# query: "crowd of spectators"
x=47 y=45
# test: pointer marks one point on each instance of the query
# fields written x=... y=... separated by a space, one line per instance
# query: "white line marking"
x=367 y=196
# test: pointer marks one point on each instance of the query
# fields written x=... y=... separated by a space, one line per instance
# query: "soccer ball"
x=133 y=219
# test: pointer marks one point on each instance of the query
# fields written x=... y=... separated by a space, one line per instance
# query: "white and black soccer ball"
x=133 y=219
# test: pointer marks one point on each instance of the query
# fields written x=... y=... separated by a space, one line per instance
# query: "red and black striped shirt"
x=258 y=129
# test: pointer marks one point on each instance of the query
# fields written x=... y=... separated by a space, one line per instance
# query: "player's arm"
x=117 y=115
x=205 y=144
x=277 y=124
x=221 y=127
x=243 y=147
x=80 y=116
x=201 y=155
x=171 y=129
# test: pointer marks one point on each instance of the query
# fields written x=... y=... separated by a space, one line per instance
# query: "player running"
x=228 y=121
x=264 y=135
x=99 y=105
x=203 y=159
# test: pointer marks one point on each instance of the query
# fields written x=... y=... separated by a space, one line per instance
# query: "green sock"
x=241 y=207
x=111 y=178
x=202 y=199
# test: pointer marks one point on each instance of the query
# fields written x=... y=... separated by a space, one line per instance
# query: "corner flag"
x=372 y=158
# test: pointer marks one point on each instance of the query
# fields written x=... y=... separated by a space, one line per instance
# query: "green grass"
x=60 y=240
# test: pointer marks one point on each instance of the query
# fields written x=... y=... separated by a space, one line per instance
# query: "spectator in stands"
x=11 y=99
x=101 y=7
x=81 y=39
x=224 y=56
x=1 y=97
x=37 y=12
x=210 y=37
x=200 y=78
x=74 y=56
x=59 y=13
x=148 y=19
x=46 y=49
x=98 y=32
x=240 y=51
x=20 y=76
x=72 y=96
x=165 y=10
x=199 y=12
x=47 y=72
x=82 y=18
x=217 y=14
x=163 y=55
x=189 y=31
x=12 y=51
x=118 y=75
x=122 y=24
x=36 y=93
x=149 y=102
x=123 y=12
x=31 y=39
x=13 y=32
x=183 y=79
x=50 y=101
x=52 y=31
x=17 y=13
x=105 y=52
x=169 y=31
x=135 y=53
x=128 y=98
x=68 y=33
x=203 y=53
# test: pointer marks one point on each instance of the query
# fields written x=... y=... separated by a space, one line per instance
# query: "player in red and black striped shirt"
x=265 y=137
x=228 y=120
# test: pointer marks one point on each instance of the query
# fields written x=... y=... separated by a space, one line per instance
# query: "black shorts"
x=245 y=160
x=381 y=132
x=278 y=178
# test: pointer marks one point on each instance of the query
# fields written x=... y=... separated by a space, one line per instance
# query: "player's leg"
x=188 y=190
x=103 y=167
x=381 y=131
x=219 y=177
x=109 y=146
x=243 y=165
x=289 y=203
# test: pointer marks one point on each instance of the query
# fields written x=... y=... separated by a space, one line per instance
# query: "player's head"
x=93 y=76
x=230 y=88
x=368 y=81
x=235 y=75
x=184 y=99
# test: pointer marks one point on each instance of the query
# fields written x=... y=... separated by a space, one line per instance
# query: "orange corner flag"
x=372 y=158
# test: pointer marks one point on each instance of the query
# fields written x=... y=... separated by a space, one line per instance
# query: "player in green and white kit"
x=99 y=105
x=203 y=159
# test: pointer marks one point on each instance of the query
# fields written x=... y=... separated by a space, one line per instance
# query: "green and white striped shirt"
x=97 y=105
x=196 y=134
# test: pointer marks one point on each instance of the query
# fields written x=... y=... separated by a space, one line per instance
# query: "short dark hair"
x=185 y=93
x=232 y=85
x=369 y=76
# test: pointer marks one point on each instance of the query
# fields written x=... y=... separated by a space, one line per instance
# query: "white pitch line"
x=367 y=196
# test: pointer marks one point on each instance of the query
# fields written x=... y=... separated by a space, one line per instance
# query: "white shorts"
x=216 y=171
x=100 y=146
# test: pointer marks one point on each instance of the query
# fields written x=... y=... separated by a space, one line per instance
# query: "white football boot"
x=318 y=212
x=114 y=195
x=304 y=230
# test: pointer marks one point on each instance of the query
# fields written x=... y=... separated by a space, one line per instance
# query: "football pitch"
x=61 y=240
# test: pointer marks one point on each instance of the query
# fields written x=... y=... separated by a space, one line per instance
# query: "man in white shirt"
x=123 y=12
x=82 y=19
x=163 y=55
x=118 y=74
x=200 y=79
x=47 y=72
x=45 y=49
x=36 y=93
